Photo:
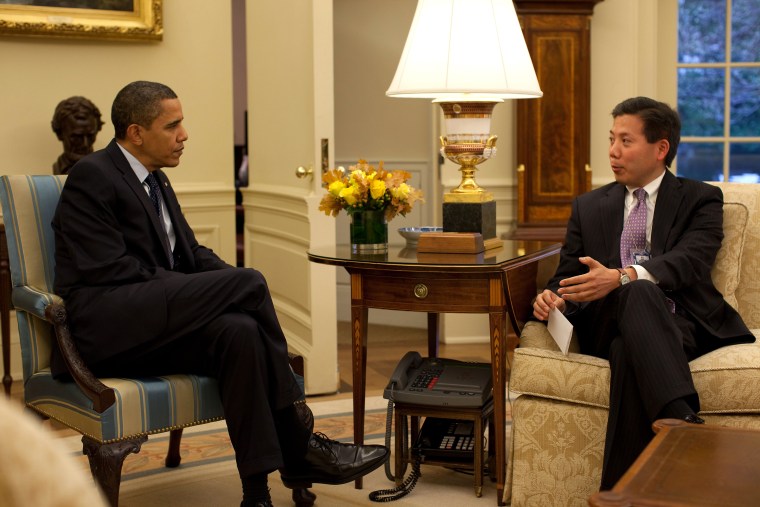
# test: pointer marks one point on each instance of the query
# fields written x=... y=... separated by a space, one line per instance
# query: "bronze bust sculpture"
x=76 y=122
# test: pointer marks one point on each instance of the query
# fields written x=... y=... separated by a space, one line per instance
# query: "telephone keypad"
x=451 y=442
x=452 y=437
x=426 y=378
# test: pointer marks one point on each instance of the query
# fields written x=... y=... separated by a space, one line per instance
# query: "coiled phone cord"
x=389 y=495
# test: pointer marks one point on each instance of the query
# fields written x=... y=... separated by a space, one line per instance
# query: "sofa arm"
x=101 y=395
x=535 y=334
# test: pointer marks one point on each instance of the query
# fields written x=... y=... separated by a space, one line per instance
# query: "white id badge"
x=641 y=257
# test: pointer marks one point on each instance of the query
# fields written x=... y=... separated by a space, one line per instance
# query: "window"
x=719 y=90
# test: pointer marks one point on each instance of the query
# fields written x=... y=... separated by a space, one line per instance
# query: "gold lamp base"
x=468 y=144
x=468 y=156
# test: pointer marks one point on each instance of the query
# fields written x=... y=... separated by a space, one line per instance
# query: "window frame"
x=728 y=66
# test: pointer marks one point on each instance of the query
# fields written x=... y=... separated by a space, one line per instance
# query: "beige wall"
x=369 y=38
x=194 y=58
x=633 y=52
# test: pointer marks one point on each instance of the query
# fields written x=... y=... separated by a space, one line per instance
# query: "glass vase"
x=369 y=232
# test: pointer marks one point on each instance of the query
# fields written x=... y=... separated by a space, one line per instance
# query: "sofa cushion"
x=727 y=379
x=144 y=405
x=725 y=272
x=748 y=290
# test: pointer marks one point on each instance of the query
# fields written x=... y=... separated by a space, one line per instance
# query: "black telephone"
x=434 y=382
x=439 y=382
x=447 y=439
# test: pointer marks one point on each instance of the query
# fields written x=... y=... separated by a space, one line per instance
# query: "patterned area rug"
x=208 y=477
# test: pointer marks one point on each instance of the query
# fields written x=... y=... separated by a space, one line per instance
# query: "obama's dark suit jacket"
x=108 y=243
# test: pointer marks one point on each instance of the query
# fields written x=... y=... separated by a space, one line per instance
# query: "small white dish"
x=412 y=234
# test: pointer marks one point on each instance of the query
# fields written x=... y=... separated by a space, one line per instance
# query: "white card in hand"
x=561 y=329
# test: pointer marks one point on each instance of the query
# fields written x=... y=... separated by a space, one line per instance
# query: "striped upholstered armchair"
x=114 y=415
x=560 y=414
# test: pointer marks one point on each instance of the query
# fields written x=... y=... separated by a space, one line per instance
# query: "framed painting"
x=102 y=19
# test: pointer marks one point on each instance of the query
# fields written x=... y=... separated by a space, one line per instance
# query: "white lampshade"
x=473 y=47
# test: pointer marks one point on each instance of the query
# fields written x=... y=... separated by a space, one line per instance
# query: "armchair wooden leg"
x=106 y=461
x=172 y=456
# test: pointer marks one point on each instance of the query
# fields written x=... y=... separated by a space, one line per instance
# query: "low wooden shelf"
x=480 y=416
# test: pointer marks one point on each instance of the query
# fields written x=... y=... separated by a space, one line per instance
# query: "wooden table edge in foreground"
x=690 y=465
x=501 y=285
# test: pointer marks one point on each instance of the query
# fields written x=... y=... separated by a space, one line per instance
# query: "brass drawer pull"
x=421 y=291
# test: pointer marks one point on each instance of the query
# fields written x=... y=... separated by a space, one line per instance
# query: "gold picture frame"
x=117 y=19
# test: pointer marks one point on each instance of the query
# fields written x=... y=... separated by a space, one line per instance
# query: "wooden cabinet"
x=553 y=132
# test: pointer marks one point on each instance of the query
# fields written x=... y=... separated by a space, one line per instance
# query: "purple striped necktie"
x=634 y=237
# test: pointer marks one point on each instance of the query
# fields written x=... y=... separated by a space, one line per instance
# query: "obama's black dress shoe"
x=331 y=462
x=694 y=419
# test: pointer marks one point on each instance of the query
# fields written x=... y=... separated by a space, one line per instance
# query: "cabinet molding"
x=553 y=142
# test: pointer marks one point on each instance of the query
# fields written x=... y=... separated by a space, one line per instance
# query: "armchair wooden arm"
x=101 y=395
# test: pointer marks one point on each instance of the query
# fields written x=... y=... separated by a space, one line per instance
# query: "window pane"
x=744 y=162
x=701 y=31
x=701 y=161
x=700 y=101
x=745 y=37
x=745 y=102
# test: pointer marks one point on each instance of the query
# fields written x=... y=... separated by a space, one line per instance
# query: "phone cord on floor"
x=406 y=487
x=389 y=495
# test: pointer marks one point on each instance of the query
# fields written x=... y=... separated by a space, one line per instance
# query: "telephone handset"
x=400 y=376
x=439 y=382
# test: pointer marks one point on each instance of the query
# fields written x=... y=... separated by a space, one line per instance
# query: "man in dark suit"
x=649 y=307
x=143 y=297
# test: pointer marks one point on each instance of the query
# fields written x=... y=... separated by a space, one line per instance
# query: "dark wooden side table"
x=696 y=465
x=5 y=310
x=500 y=282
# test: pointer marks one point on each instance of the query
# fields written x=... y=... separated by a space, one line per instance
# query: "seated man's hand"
x=544 y=302
x=597 y=283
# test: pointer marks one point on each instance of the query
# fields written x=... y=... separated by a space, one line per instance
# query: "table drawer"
x=427 y=293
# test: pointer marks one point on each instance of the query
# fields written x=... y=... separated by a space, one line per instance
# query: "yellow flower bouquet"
x=364 y=188
x=372 y=197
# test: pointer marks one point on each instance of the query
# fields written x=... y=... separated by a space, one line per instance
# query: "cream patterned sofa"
x=560 y=411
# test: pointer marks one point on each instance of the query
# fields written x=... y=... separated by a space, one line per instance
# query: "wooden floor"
x=386 y=345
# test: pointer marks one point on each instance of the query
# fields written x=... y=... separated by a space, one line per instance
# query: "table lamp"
x=467 y=55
